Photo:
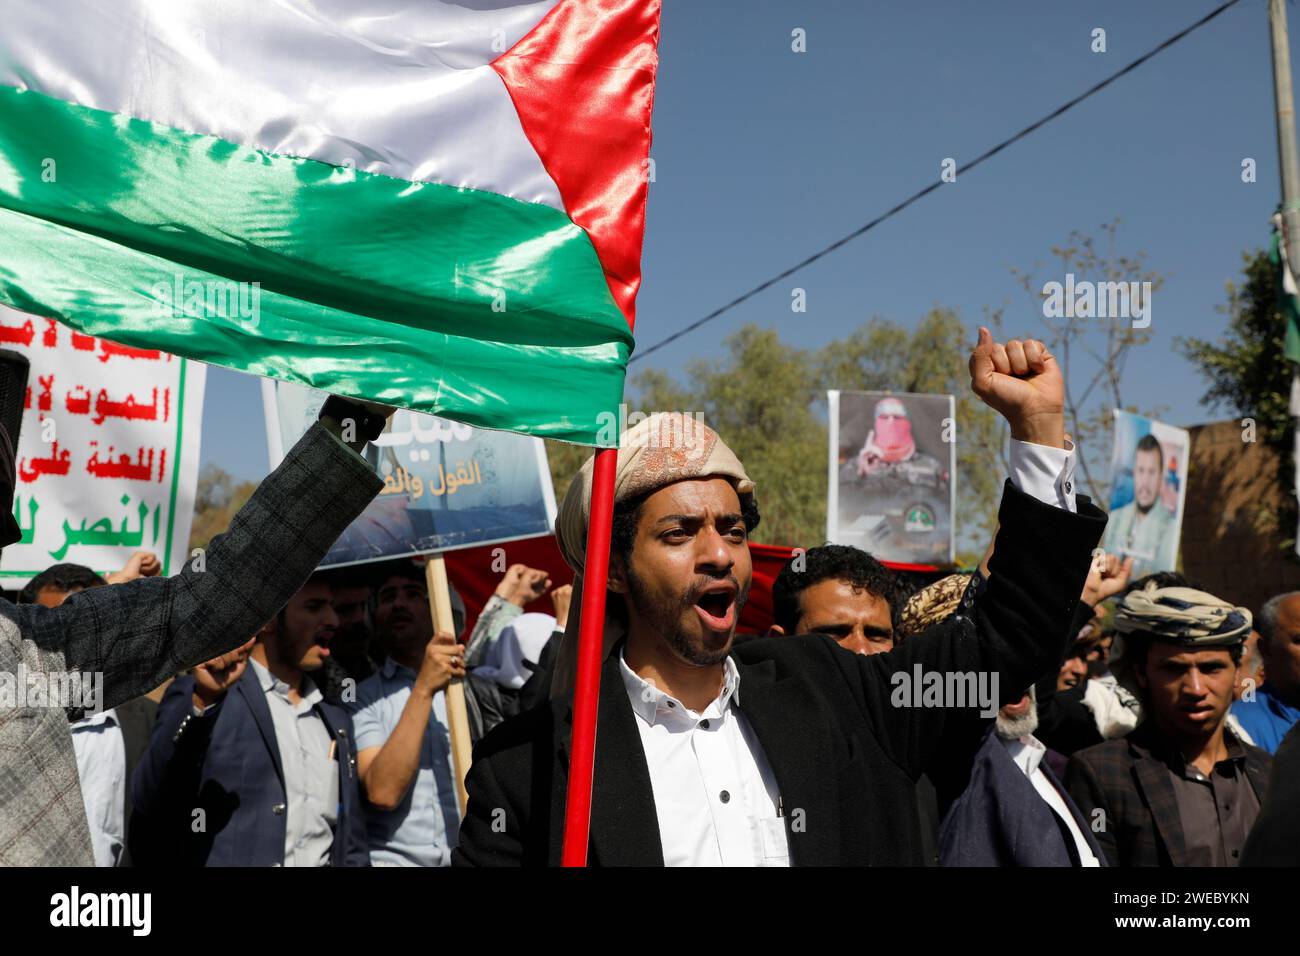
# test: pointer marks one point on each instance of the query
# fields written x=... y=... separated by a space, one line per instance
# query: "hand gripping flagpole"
x=586 y=694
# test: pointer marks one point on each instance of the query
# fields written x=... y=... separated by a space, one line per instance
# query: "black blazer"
x=1128 y=781
x=1000 y=819
x=1275 y=838
x=136 y=718
x=1065 y=724
x=227 y=764
x=842 y=754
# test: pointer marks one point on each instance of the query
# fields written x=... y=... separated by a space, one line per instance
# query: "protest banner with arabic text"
x=446 y=485
x=107 y=462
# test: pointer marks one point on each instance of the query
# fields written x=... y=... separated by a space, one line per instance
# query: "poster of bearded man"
x=892 y=461
x=1148 y=488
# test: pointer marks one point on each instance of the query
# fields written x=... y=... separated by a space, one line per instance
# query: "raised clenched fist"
x=1021 y=382
x=523 y=585
x=142 y=564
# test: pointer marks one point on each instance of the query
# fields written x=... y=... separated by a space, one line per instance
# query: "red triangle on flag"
x=583 y=84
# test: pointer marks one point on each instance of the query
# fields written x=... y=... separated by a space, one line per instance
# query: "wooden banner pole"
x=435 y=575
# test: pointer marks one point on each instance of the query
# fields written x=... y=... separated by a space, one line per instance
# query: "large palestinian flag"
x=433 y=203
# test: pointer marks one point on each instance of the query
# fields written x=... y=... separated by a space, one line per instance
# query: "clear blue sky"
x=763 y=155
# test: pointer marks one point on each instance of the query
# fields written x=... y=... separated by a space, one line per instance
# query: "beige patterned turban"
x=664 y=448
x=933 y=603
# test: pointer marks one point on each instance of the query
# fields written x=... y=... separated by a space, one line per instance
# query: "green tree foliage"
x=1246 y=370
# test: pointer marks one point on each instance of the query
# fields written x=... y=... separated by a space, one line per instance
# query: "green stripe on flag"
x=368 y=285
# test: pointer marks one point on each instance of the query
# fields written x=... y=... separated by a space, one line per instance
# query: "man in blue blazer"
x=248 y=765
x=1014 y=810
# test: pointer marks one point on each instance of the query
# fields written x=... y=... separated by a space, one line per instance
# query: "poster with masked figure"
x=892 y=461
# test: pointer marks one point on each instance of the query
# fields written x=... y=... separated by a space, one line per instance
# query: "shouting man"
x=249 y=765
x=785 y=750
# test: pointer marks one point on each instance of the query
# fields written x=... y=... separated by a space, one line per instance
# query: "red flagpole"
x=586 y=694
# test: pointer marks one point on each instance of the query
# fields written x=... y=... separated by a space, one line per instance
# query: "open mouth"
x=717 y=608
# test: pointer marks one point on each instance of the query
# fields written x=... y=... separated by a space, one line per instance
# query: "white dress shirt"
x=310 y=766
x=1028 y=753
x=101 y=764
x=715 y=793
x=1046 y=473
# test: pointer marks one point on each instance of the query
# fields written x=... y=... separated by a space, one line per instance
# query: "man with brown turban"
x=785 y=750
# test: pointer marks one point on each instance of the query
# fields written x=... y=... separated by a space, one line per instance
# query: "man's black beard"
x=1143 y=511
x=670 y=628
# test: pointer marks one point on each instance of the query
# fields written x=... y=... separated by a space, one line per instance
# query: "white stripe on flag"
x=389 y=86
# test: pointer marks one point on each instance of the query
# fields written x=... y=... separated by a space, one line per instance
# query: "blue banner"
x=446 y=485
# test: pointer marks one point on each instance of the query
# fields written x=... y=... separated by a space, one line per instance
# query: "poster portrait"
x=1148 y=488
x=892 y=461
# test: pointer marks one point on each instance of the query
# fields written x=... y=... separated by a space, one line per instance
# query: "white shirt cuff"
x=1044 y=472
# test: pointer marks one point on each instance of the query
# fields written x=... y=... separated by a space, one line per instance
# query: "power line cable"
x=988 y=154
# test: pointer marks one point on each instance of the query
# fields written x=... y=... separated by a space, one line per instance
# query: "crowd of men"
x=1046 y=709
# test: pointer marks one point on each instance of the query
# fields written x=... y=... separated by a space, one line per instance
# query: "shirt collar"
x=94 y=720
x=390 y=668
x=1232 y=743
x=1027 y=751
x=308 y=692
x=1236 y=751
x=654 y=705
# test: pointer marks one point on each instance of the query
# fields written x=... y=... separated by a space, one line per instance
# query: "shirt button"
x=724 y=797
x=1067 y=487
x=704 y=724
x=671 y=704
